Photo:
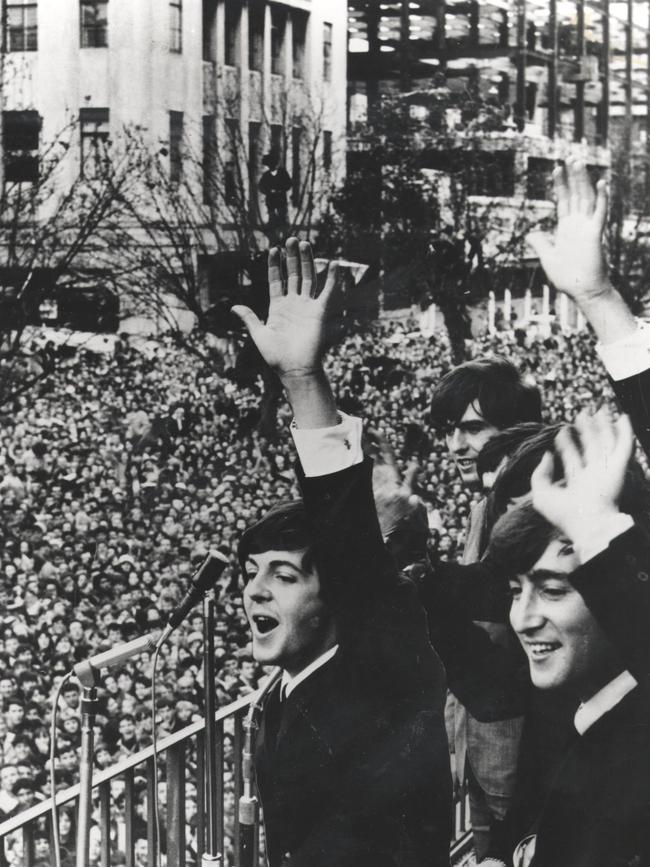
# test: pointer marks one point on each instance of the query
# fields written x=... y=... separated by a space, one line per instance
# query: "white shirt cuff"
x=329 y=449
x=628 y=356
x=601 y=537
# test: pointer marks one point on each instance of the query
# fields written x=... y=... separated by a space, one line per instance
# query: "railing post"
x=176 y=805
x=105 y=822
x=28 y=845
x=128 y=817
x=200 y=795
x=151 y=821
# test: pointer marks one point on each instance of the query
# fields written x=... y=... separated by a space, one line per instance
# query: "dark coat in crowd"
x=352 y=767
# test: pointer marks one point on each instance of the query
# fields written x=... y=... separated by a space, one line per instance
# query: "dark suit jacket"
x=595 y=811
x=633 y=395
x=352 y=768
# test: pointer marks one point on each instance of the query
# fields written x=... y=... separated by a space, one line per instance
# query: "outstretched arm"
x=294 y=338
x=574 y=259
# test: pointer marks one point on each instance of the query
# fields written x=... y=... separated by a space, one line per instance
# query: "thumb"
x=541 y=244
x=250 y=319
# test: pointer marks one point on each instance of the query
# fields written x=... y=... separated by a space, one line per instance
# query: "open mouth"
x=465 y=463
x=540 y=650
x=264 y=624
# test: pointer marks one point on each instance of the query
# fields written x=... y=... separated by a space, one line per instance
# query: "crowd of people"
x=121 y=472
x=107 y=508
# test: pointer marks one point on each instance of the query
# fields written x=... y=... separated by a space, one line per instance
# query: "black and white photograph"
x=324 y=433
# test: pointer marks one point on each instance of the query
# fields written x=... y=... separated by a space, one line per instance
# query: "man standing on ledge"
x=351 y=757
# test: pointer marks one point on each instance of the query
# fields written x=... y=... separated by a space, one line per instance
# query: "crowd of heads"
x=119 y=475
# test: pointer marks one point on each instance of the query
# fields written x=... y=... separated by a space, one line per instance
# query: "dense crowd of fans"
x=118 y=477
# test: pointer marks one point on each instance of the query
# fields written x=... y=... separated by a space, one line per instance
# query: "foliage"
x=50 y=230
x=422 y=202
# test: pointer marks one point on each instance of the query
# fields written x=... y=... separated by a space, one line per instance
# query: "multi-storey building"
x=545 y=77
x=186 y=74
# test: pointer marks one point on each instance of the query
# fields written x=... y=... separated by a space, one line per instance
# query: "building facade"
x=187 y=76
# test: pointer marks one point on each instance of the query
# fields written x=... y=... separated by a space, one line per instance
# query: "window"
x=175 y=145
x=327 y=150
x=296 y=142
x=230 y=171
x=491 y=174
x=209 y=25
x=327 y=52
x=22 y=33
x=278 y=27
x=539 y=178
x=233 y=18
x=277 y=139
x=94 y=140
x=176 y=26
x=208 y=158
x=21 y=131
x=94 y=23
x=298 y=39
x=253 y=163
x=256 y=36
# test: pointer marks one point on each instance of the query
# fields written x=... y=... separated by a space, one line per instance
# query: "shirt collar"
x=290 y=683
x=603 y=701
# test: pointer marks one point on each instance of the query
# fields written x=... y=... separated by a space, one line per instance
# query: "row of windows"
x=22 y=32
x=278 y=39
x=22 y=28
x=22 y=131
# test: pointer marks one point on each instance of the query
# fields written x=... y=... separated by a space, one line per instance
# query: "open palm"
x=573 y=259
x=295 y=336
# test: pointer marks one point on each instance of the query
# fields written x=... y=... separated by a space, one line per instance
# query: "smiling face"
x=290 y=622
x=465 y=439
x=564 y=644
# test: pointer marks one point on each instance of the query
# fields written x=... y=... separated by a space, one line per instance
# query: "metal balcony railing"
x=175 y=753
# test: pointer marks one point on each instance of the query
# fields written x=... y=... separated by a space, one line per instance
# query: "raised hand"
x=294 y=338
x=573 y=259
x=594 y=474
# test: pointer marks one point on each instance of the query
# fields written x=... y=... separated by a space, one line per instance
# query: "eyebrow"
x=275 y=564
x=547 y=575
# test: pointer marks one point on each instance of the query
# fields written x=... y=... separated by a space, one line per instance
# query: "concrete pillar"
x=528 y=305
x=563 y=311
x=507 y=307
x=492 y=309
x=546 y=301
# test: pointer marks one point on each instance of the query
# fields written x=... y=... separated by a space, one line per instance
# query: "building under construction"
x=574 y=69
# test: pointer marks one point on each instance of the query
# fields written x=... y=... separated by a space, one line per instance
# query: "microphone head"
x=210 y=570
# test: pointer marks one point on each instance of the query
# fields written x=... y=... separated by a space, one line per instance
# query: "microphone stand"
x=88 y=712
x=87 y=673
x=211 y=854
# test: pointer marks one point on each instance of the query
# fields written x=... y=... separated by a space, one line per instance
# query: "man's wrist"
x=594 y=532
x=301 y=376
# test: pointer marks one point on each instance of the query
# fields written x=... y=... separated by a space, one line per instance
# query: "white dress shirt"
x=629 y=355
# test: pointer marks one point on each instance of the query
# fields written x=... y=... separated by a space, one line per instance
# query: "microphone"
x=87 y=670
x=203 y=579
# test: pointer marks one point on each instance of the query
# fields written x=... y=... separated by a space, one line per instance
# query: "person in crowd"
x=472 y=403
x=579 y=607
x=351 y=758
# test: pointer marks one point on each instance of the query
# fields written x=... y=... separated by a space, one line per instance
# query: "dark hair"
x=514 y=479
x=495 y=385
x=518 y=540
x=285 y=527
x=505 y=443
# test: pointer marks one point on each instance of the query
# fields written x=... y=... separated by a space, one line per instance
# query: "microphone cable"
x=53 y=811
